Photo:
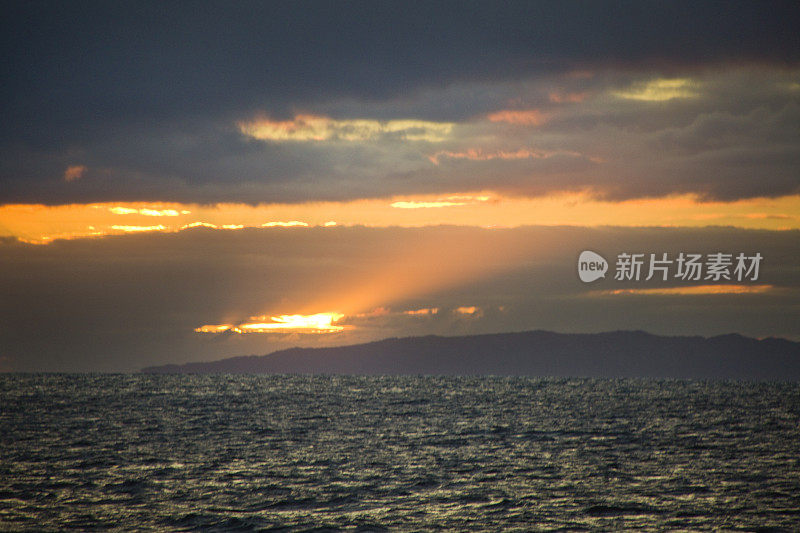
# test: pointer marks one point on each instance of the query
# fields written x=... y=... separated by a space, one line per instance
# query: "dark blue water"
x=129 y=452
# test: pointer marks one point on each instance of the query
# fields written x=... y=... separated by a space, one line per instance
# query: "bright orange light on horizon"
x=316 y=323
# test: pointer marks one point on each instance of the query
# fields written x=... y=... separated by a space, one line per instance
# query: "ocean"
x=320 y=453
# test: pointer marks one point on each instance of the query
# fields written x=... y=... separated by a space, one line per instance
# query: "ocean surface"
x=296 y=453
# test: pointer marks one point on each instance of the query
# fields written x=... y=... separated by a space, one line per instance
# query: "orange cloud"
x=528 y=117
x=123 y=210
x=211 y=328
x=775 y=216
x=74 y=172
x=660 y=90
x=424 y=311
x=378 y=311
x=690 y=290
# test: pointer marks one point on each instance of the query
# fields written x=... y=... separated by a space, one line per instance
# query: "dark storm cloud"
x=120 y=303
x=67 y=61
x=146 y=95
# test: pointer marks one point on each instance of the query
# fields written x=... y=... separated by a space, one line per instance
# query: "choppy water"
x=396 y=453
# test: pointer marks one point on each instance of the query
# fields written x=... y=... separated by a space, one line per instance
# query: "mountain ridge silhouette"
x=623 y=354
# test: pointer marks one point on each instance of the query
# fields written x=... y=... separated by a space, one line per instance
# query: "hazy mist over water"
x=295 y=453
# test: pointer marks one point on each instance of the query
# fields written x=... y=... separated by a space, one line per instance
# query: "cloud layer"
x=122 y=302
x=270 y=103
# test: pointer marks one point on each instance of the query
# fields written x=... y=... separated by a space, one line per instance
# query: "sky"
x=185 y=182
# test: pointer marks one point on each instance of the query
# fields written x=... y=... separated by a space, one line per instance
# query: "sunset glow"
x=257 y=176
x=316 y=323
x=40 y=224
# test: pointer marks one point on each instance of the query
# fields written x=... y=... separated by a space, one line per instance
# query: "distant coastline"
x=622 y=354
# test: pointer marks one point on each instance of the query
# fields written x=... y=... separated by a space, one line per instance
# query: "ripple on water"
x=300 y=453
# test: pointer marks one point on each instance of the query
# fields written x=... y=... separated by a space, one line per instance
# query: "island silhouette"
x=617 y=354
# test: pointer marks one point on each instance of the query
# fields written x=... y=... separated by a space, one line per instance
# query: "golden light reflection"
x=311 y=324
x=39 y=224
